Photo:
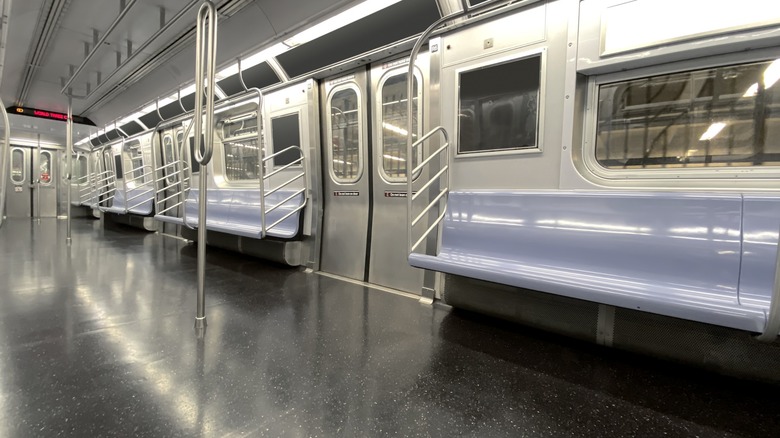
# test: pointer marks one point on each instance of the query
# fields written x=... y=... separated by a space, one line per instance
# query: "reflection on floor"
x=98 y=339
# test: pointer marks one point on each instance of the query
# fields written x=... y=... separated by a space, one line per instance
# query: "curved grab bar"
x=411 y=144
x=207 y=11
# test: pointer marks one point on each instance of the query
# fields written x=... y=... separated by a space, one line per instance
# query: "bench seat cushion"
x=672 y=254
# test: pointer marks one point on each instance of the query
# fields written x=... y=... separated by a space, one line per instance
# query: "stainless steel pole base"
x=200 y=327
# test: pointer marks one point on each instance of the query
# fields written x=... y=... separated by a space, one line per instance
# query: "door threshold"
x=371 y=285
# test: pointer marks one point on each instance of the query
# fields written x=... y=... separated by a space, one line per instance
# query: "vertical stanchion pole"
x=69 y=165
x=5 y=161
x=204 y=67
x=38 y=184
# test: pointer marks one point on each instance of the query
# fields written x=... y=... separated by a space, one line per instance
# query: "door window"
x=45 y=167
x=394 y=124
x=346 y=157
x=17 y=166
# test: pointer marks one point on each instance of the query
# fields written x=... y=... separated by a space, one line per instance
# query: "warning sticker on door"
x=346 y=193
x=389 y=194
x=18 y=189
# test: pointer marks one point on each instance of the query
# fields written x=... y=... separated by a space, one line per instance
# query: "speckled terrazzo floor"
x=97 y=340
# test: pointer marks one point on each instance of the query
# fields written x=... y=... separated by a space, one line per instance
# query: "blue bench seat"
x=238 y=212
x=673 y=254
x=140 y=198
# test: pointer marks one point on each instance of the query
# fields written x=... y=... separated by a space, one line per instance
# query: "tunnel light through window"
x=712 y=131
x=396 y=129
x=771 y=76
x=390 y=157
x=772 y=73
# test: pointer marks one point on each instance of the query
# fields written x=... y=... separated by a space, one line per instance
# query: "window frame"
x=661 y=177
x=540 y=113
x=361 y=136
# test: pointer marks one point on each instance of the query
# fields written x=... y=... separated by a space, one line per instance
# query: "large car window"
x=716 y=117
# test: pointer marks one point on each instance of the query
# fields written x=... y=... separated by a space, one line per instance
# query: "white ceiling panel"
x=234 y=34
x=51 y=131
x=289 y=14
x=254 y=25
x=20 y=33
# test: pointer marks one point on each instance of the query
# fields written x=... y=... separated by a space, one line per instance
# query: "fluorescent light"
x=186 y=91
x=270 y=52
x=227 y=72
x=29 y=142
x=351 y=15
x=130 y=118
x=153 y=106
x=712 y=131
x=219 y=93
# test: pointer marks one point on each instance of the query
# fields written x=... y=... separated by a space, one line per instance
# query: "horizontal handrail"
x=428 y=231
x=283 y=168
x=137 y=178
x=168 y=165
x=430 y=181
x=286 y=200
x=163 y=200
x=168 y=183
x=440 y=198
x=432 y=156
x=241 y=137
x=288 y=148
x=139 y=204
x=264 y=193
x=296 y=210
x=169 y=208
x=139 y=195
x=426 y=209
x=171 y=185
x=283 y=185
x=138 y=168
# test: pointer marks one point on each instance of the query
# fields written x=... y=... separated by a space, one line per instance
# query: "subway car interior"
x=389 y=218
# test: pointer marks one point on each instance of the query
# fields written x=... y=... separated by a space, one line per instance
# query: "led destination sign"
x=51 y=115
